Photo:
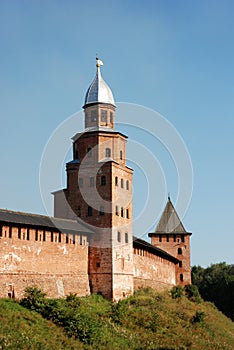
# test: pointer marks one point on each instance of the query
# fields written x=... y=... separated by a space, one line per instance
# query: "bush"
x=177 y=292
x=192 y=293
x=34 y=299
x=199 y=317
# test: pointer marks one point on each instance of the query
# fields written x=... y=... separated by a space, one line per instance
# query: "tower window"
x=81 y=182
x=103 y=115
x=116 y=210
x=180 y=263
x=167 y=238
x=127 y=213
x=127 y=185
x=111 y=117
x=126 y=237
x=93 y=116
x=122 y=212
x=181 y=277
x=89 y=152
x=160 y=238
x=179 y=251
x=116 y=181
x=91 y=181
x=108 y=152
x=182 y=238
x=101 y=211
x=122 y=183
x=103 y=180
x=90 y=211
x=121 y=155
x=118 y=236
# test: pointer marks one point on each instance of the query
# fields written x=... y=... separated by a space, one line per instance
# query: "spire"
x=99 y=91
x=170 y=221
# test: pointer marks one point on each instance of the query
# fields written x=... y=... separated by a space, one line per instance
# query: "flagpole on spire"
x=98 y=62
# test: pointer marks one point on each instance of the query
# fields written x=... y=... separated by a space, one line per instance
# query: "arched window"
x=179 y=251
x=180 y=264
x=103 y=115
x=118 y=236
x=122 y=183
x=127 y=213
x=181 y=277
x=103 y=180
x=108 y=152
x=121 y=155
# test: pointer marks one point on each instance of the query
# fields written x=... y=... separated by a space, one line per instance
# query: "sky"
x=172 y=57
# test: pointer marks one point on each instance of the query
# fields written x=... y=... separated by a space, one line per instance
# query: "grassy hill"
x=146 y=320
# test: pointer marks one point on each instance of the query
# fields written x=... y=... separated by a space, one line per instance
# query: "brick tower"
x=99 y=193
x=171 y=236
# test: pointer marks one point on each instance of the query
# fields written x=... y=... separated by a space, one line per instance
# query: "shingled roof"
x=27 y=219
x=169 y=222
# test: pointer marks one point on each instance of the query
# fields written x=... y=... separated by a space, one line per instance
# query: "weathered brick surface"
x=55 y=266
x=152 y=271
x=178 y=246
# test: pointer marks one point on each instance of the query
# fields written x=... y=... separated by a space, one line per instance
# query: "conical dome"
x=99 y=91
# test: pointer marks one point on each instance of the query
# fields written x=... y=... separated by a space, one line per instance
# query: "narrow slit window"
x=122 y=183
x=126 y=237
x=179 y=251
x=127 y=185
x=116 y=210
x=122 y=212
x=90 y=211
x=103 y=180
x=118 y=236
x=121 y=155
x=116 y=181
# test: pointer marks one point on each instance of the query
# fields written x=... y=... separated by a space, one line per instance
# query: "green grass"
x=146 y=320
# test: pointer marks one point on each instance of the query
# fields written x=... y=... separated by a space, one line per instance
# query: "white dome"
x=99 y=91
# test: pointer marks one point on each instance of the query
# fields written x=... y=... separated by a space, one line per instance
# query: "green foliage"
x=177 y=292
x=34 y=299
x=145 y=320
x=192 y=293
x=216 y=284
x=199 y=317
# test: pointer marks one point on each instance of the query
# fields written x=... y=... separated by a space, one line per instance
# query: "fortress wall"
x=152 y=271
x=56 y=263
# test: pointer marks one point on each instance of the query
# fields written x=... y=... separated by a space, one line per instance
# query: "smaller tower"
x=171 y=236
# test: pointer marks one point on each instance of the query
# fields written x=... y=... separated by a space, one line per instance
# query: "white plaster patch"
x=11 y=257
x=64 y=248
x=60 y=288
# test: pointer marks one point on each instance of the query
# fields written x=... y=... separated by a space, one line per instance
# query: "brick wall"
x=152 y=271
x=29 y=257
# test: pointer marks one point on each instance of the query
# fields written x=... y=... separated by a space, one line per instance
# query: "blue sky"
x=175 y=57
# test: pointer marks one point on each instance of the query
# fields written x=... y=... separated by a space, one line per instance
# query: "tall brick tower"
x=99 y=193
x=171 y=236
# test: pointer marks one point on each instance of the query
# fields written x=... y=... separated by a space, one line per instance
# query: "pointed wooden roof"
x=169 y=221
